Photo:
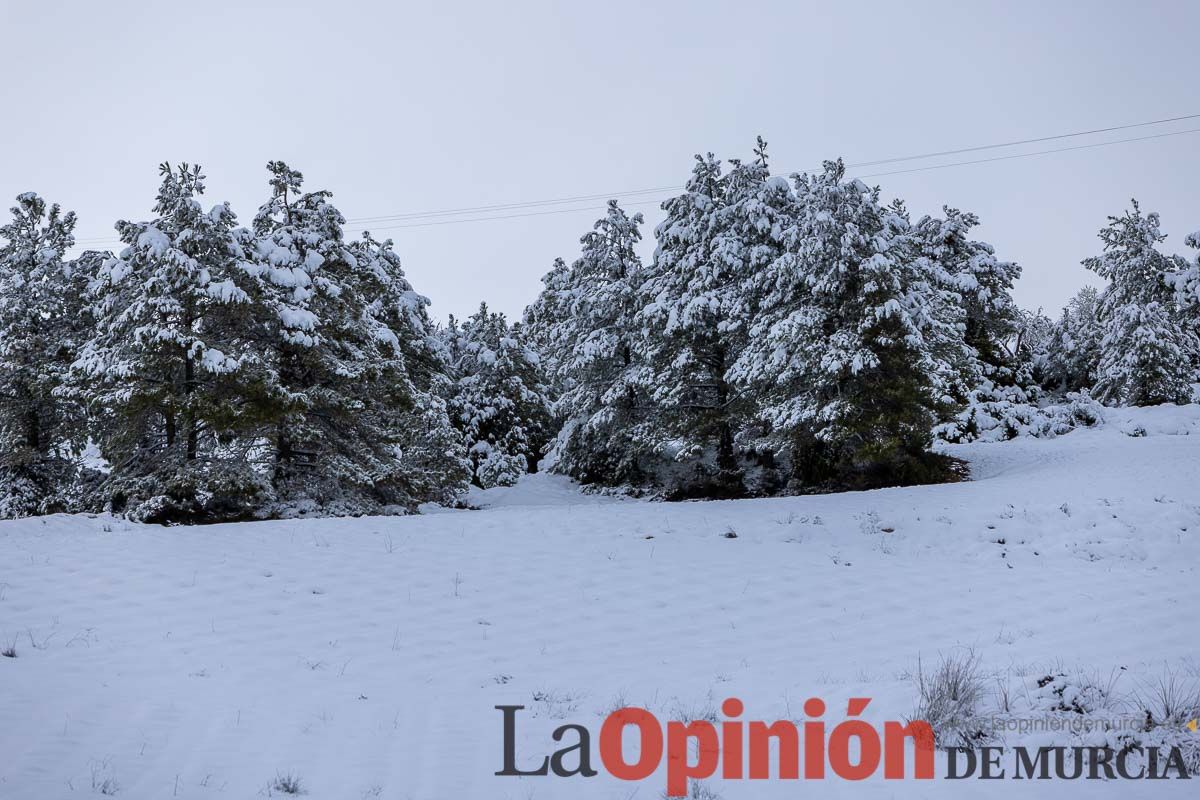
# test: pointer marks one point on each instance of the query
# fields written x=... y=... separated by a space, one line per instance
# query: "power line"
x=1024 y=141
x=1034 y=153
x=871 y=175
x=431 y=218
x=897 y=159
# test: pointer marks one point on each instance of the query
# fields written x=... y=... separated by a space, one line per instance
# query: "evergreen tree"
x=584 y=325
x=1145 y=353
x=981 y=286
x=500 y=401
x=1185 y=279
x=846 y=341
x=696 y=314
x=1072 y=354
x=549 y=328
x=1033 y=334
x=41 y=325
x=1145 y=357
x=351 y=367
x=431 y=462
x=167 y=360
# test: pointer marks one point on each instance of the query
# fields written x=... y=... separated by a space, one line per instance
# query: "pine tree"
x=1145 y=353
x=846 y=341
x=167 y=360
x=1185 y=279
x=1072 y=355
x=500 y=401
x=351 y=366
x=584 y=326
x=981 y=285
x=549 y=328
x=1145 y=357
x=431 y=462
x=41 y=325
x=1131 y=261
x=696 y=314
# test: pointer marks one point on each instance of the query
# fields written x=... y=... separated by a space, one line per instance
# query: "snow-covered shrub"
x=697 y=790
x=989 y=417
x=497 y=468
x=205 y=492
x=288 y=783
x=1075 y=694
x=21 y=495
x=50 y=486
x=1164 y=707
x=1170 y=699
x=949 y=699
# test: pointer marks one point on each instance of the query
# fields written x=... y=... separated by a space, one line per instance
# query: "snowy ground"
x=365 y=656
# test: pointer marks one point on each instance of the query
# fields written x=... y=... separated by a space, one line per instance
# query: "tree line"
x=788 y=335
x=793 y=336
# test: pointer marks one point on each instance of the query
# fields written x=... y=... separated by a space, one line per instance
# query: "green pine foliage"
x=42 y=323
x=499 y=400
x=788 y=335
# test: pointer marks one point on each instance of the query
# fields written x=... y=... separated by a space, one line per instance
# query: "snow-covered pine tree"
x=982 y=285
x=167 y=364
x=41 y=326
x=695 y=319
x=431 y=461
x=1131 y=261
x=1072 y=353
x=992 y=382
x=500 y=400
x=350 y=370
x=1185 y=279
x=294 y=235
x=845 y=339
x=1145 y=353
x=1145 y=357
x=549 y=329
x=1032 y=336
x=583 y=325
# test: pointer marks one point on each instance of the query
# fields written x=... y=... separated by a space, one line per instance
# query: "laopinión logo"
x=740 y=749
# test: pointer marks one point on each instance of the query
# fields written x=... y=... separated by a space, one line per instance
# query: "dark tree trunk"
x=189 y=380
x=33 y=428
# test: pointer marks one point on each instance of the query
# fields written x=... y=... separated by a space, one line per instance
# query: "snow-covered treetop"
x=1131 y=262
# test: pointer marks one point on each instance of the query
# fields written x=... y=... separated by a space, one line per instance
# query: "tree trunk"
x=33 y=431
x=189 y=379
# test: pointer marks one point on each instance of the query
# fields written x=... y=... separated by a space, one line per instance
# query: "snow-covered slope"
x=366 y=655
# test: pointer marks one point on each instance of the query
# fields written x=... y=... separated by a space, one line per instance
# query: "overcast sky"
x=403 y=107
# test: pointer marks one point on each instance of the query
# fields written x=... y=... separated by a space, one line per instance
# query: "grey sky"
x=404 y=106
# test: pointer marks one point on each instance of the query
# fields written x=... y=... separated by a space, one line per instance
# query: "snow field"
x=365 y=656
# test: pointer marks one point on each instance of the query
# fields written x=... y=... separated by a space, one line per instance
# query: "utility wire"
x=1034 y=153
x=431 y=218
x=897 y=159
x=871 y=175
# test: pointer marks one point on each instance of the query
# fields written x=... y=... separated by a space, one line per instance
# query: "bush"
x=949 y=699
x=988 y=418
x=288 y=784
x=40 y=488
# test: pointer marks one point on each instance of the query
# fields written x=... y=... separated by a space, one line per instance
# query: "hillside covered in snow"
x=365 y=657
